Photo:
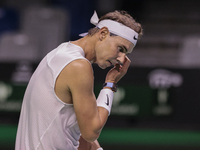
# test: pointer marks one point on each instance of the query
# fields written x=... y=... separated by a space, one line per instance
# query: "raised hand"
x=118 y=71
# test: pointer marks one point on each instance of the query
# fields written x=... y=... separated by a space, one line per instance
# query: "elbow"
x=90 y=137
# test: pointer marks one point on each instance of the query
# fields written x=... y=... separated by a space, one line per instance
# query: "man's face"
x=112 y=50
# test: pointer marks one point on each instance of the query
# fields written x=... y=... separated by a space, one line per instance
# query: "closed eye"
x=122 y=49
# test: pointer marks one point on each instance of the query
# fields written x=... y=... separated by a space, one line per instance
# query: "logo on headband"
x=135 y=38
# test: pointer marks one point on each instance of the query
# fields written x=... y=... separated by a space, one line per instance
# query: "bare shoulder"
x=79 y=66
x=80 y=63
x=73 y=76
x=78 y=71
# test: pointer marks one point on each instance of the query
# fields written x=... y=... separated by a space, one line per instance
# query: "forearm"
x=91 y=127
x=103 y=115
x=98 y=124
x=104 y=103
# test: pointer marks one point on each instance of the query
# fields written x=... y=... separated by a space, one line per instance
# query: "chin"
x=102 y=66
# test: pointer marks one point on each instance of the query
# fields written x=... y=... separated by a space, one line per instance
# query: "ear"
x=103 y=33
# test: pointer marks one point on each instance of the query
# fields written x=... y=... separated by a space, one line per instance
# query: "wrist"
x=107 y=88
x=110 y=85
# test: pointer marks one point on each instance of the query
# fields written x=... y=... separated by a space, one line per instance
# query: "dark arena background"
x=157 y=105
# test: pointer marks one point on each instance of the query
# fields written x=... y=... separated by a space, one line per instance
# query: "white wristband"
x=100 y=148
x=105 y=99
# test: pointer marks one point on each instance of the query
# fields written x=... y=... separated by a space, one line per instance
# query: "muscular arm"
x=77 y=78
x=79 y=81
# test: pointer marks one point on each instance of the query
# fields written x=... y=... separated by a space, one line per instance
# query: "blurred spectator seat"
x=9 y=20
x=15 y=47
x=49 y=25
x=190 y=54
x=22 y=4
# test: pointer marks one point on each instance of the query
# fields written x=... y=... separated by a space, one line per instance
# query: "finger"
x=117 y=66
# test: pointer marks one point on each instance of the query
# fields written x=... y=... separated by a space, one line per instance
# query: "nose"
x=121 y=58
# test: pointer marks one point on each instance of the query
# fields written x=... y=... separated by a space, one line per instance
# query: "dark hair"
x=121 y=17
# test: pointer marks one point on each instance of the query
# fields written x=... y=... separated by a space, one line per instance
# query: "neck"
x=87 y=43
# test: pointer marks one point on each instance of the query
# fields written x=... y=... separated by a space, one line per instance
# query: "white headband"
x=115 y=28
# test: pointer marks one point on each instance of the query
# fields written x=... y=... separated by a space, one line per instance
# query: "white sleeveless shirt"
x=46 y=122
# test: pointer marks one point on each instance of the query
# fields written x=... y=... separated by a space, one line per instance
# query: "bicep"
x=82 y=95
x=81 y=88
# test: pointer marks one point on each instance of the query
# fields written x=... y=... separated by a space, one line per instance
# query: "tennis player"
x=60 y=110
